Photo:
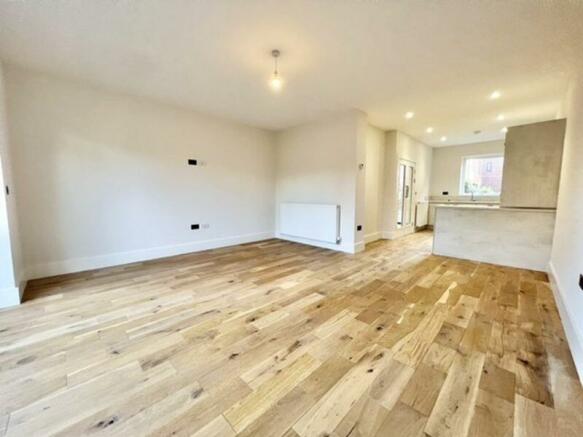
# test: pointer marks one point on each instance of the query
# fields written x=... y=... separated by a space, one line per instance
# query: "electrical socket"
x=196 y=162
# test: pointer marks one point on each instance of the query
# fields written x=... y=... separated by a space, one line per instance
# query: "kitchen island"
x=515 y=237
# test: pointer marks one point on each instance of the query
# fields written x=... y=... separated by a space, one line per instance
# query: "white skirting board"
x=574 y=336
x=120 y=258
x=9 y=297
x=344 y=247
x=374 y=236
x=398 y=233
x=12 y=296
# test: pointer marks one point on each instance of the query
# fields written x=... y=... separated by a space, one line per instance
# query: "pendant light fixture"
x=276 y=82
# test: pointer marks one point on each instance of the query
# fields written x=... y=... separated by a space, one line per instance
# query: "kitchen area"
x=509 y=219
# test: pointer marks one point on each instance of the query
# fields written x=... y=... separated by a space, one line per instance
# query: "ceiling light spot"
x=495 y=95
x=276 y=83
x=443 y=139
x=500 y=117
x=429 y=130
x=504 y=130
x=409 y=115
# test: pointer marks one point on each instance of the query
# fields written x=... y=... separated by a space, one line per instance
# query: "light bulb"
x=495 y=95
x=429 y=130
x=276 y=82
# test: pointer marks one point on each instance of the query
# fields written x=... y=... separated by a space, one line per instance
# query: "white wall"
x=318 y=163
x=567 y=254
x=11 y=285
x=374 y=180
x=447 y=163
x=360 y=188
x=401 y=146
x=103 y=178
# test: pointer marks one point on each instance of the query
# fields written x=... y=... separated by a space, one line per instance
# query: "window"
x=482 y=175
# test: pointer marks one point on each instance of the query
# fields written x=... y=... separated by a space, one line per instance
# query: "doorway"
x=405 y=194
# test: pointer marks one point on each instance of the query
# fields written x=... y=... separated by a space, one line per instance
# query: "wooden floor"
x=279 y=339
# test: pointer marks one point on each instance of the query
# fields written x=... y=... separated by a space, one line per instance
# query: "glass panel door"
x=405 y=192
x=401 y=194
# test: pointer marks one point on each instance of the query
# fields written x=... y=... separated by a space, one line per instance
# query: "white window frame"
x=463 y=172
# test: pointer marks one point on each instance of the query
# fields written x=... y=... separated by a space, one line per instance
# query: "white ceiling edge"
x=480 y=138
x=439 y=59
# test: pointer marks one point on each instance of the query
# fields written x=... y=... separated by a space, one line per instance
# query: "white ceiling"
x=440 y=59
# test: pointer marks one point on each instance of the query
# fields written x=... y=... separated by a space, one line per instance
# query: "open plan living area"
x=301 y=218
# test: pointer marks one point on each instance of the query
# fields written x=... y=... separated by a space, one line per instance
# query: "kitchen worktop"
x=439 y=202
x=494 y=207
x=463 y=202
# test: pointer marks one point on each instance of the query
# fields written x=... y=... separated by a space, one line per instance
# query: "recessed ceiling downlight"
x=443 y=139
x=504 y=130
x=500 y=117
x=495 y=95
x=429 y=130
x=409 y=115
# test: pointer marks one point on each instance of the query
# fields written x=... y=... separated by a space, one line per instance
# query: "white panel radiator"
x=421 y=214
x=319 y=222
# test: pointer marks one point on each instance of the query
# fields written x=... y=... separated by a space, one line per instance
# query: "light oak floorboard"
x=280 y=339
